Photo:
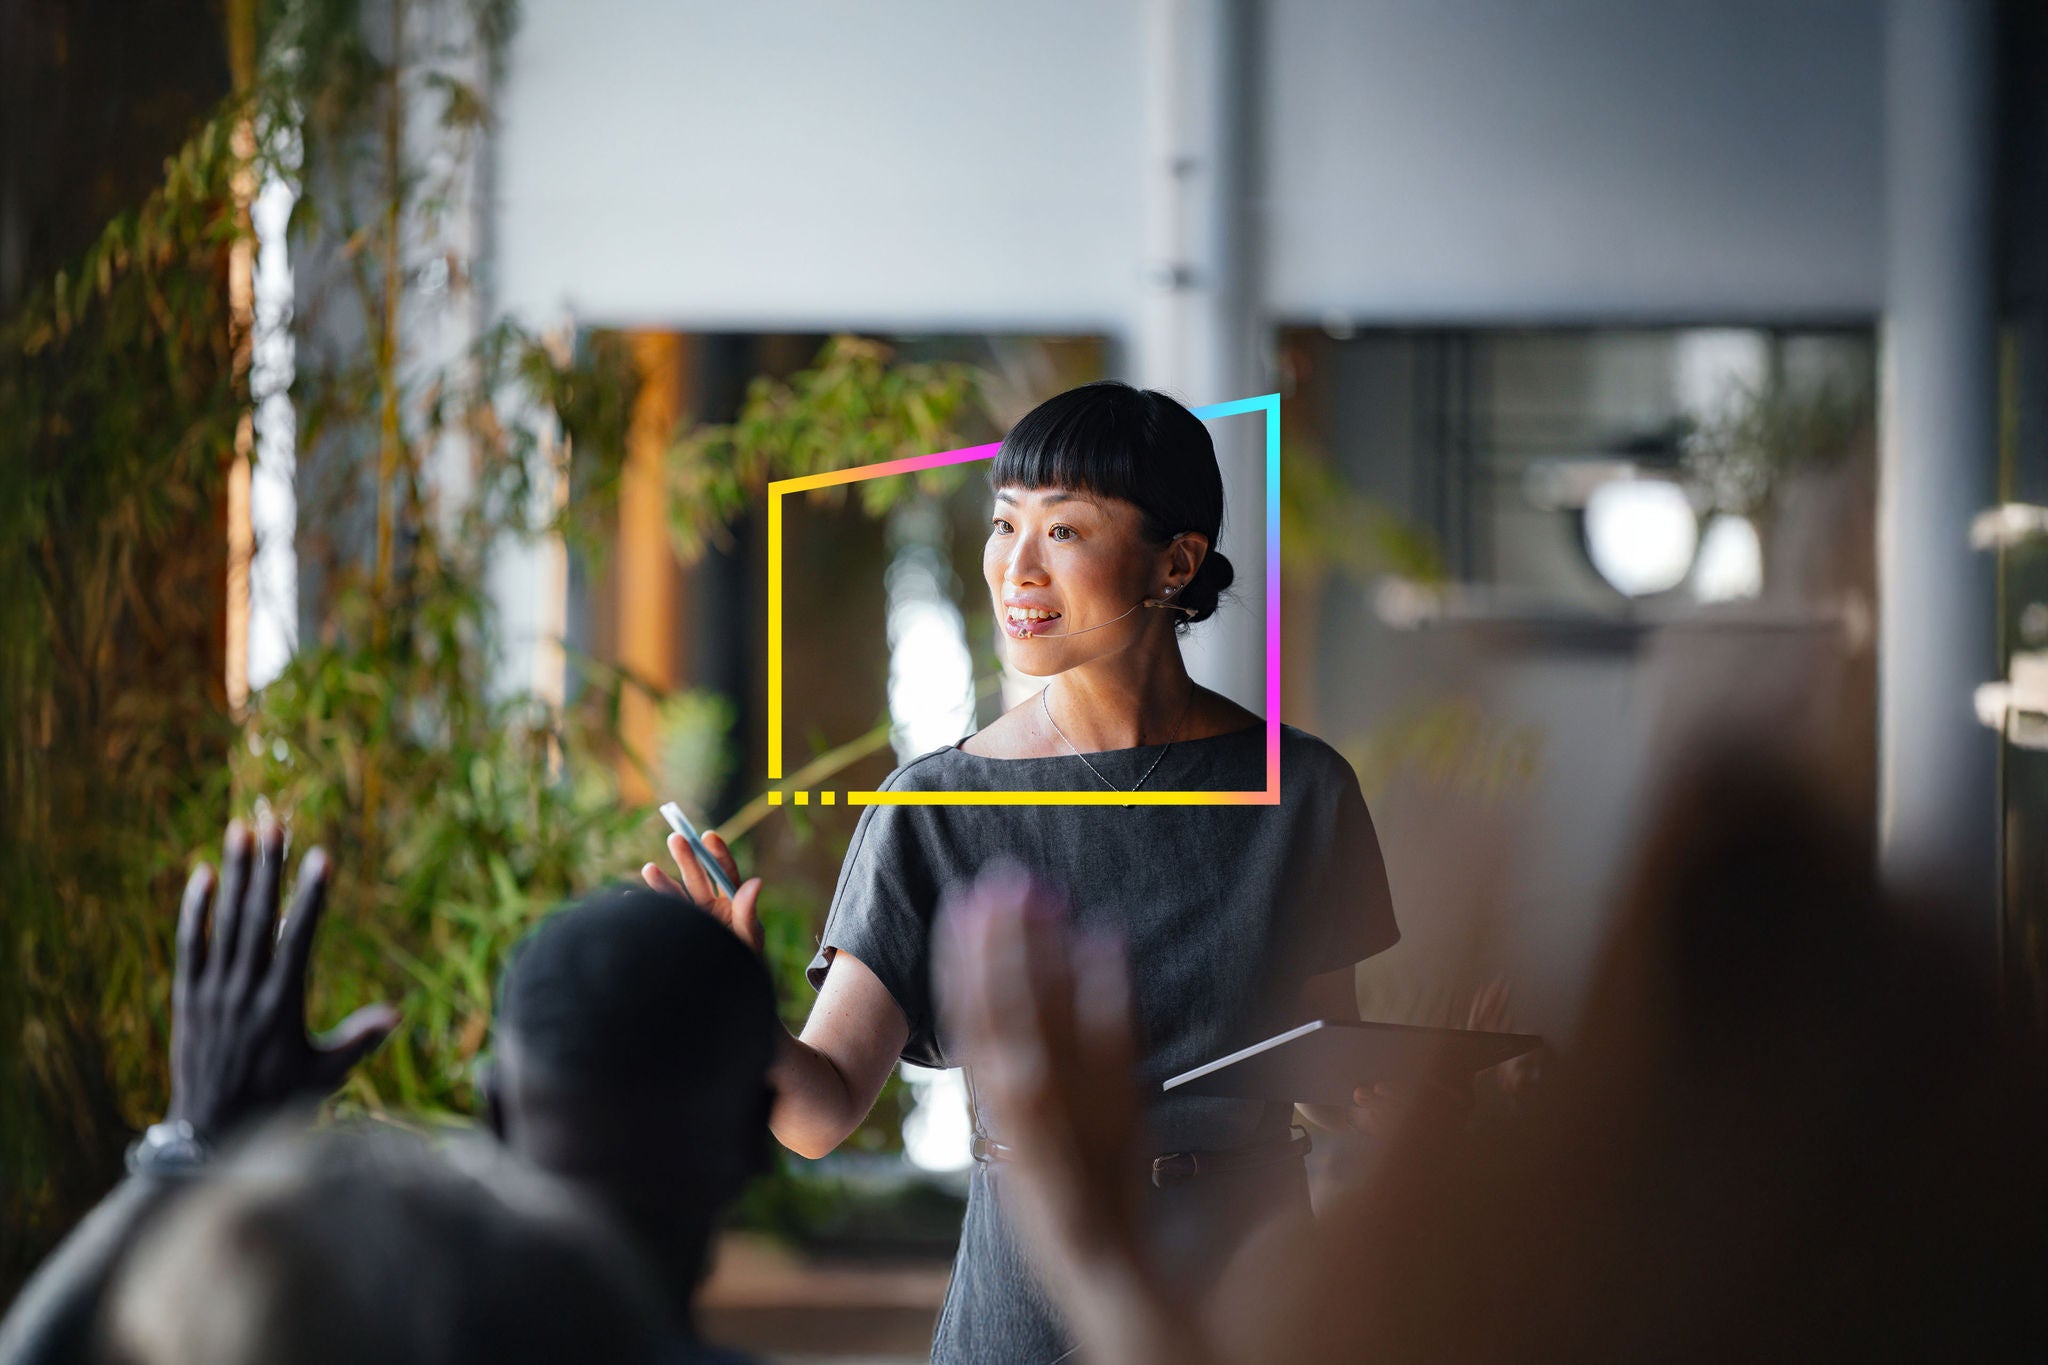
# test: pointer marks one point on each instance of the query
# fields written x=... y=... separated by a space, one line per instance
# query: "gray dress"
x=1226 y=911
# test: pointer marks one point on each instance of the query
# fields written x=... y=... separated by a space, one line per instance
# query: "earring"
x=1160 y=601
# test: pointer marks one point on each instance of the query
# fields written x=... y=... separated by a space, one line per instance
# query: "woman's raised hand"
x=735 y=912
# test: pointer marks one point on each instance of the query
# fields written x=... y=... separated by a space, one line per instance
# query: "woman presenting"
x=1238 y=921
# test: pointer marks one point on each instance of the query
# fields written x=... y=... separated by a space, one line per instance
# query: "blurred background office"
x=1614 y=339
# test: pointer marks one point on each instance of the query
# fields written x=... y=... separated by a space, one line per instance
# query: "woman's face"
x=1079 y=557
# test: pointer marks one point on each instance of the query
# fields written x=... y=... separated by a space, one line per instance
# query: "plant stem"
x=826 y=764
x=389 y=454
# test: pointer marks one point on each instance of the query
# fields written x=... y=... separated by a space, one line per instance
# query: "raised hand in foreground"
x=239 y=1045
x=239 y=1054
x=1041 y=1016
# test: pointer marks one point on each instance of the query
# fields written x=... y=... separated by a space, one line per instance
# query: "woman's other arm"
x=1378 y=1110
x=827 y=1079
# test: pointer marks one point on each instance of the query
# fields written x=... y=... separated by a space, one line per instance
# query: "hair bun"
x=1203 y=593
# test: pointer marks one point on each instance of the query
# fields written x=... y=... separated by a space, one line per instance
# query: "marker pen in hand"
x=680 y=823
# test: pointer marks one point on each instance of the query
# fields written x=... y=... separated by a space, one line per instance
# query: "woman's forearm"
x=815 y=1107
x=827 y=1080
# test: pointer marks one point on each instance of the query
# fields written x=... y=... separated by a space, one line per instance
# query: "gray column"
x=1938 y=819
x=1201 y=333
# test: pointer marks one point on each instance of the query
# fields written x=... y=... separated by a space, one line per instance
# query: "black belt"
x=1173 y=1168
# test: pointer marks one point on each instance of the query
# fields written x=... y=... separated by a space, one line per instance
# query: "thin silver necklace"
x=1046 y=707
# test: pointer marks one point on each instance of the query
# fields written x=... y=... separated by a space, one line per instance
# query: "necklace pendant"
x=1046 y=707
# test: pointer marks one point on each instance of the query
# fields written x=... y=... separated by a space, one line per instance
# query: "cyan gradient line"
x=1269 y=403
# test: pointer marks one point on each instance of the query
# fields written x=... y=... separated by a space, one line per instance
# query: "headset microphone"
x=1147 y=602
x=1085 y=629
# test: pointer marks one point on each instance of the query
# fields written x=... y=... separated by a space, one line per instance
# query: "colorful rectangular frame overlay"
x=1269 y=404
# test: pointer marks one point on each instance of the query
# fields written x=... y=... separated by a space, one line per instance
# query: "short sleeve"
x=1351 y=882
x=882 y=912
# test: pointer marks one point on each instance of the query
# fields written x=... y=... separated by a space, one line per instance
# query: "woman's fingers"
x=717 y=847
x=1372 y=1108
x=652 y=874
x=1429 y=1096
x=696 y=881
x=745 y=922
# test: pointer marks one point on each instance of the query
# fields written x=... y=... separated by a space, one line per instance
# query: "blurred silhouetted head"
x=634 y=1034
x=1139 y=445
x=345 y=1246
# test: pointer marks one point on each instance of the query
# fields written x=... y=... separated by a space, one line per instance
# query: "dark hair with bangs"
x=1139 y=445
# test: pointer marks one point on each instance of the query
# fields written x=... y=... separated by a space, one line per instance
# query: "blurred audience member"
x=634 y=1035
x=240 y=1054
x=351 y=1246
x=1792 y=1126
x=633 y=1039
